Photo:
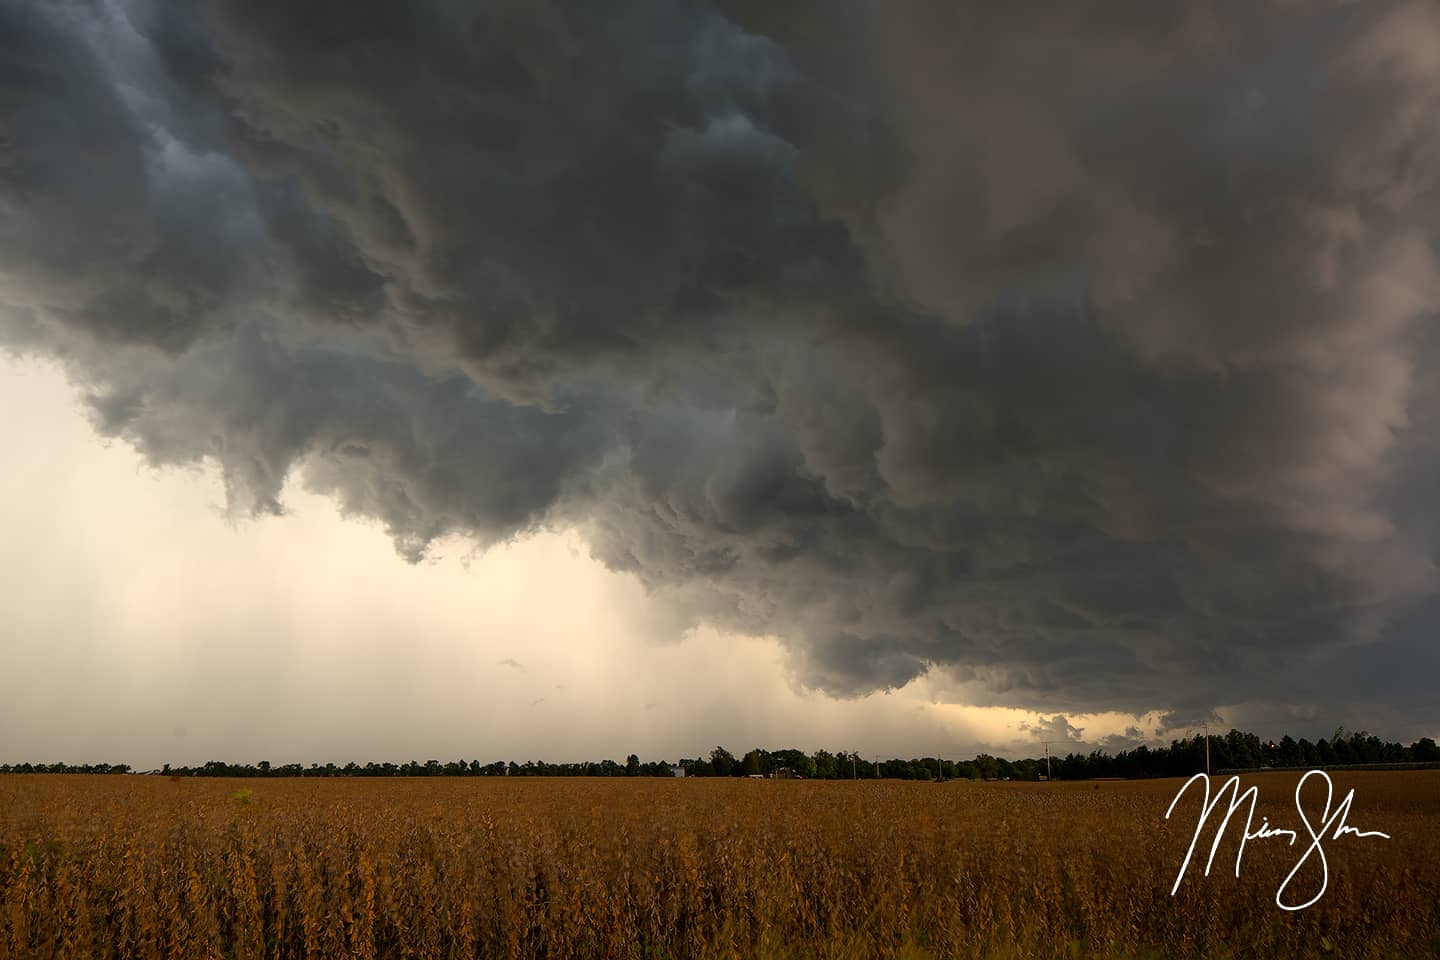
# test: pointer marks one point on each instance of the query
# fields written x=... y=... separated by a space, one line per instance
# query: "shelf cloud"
x=1083 y=360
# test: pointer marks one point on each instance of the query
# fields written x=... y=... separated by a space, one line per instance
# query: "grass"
x=145 y=867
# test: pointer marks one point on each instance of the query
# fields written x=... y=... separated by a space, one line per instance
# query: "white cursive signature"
x=1328 y=820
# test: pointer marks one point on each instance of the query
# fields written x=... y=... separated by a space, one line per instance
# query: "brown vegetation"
x=144 y=867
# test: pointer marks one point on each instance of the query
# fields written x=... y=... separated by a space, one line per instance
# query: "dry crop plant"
x=147 y=868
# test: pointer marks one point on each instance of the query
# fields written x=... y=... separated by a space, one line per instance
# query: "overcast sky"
x=559 y=380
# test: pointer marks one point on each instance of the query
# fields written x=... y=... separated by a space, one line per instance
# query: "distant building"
x=755 y=776
x=677 y=771
x=786 y=773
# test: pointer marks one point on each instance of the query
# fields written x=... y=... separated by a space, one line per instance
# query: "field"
x=149 y=867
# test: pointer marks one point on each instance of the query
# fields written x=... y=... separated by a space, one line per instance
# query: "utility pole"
x=877 y=767
x=853 y=774
x=1047 y=761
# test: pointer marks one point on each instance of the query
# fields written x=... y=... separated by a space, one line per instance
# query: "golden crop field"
x=149 y=867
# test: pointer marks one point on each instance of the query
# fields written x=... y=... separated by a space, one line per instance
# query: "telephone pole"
x=1047 y=761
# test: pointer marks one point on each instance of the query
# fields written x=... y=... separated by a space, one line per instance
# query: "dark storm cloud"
x=1082 y=353
x=109 y=224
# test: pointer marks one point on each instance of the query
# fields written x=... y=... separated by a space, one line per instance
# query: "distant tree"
x=751 y=764
x=1243 y=749
x=722 y=761
x=697 y=767
x=796 y=760
x=825 y=765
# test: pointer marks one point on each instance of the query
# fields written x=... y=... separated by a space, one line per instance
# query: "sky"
x=563 y=380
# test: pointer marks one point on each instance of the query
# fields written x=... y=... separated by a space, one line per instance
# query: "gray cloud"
x=1173 y=721
x=1082 y=358
x=1054 y=729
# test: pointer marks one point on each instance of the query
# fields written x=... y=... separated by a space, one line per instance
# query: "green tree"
x=825 y=764
x=722 y=762
x=632 y=766
x=794 y=759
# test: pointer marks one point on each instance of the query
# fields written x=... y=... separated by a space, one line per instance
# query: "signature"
x=1332 y=826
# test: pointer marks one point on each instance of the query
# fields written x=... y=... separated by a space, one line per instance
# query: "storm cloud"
x=1082 y=356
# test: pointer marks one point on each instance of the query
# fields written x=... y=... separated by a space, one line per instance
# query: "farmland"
x=151 y=867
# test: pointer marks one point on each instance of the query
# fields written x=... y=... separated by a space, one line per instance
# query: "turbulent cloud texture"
x=1082 y=354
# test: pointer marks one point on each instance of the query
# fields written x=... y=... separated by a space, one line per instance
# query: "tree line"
x=1233 y=750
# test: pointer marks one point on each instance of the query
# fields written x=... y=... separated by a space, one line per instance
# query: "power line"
x=1207 y=749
